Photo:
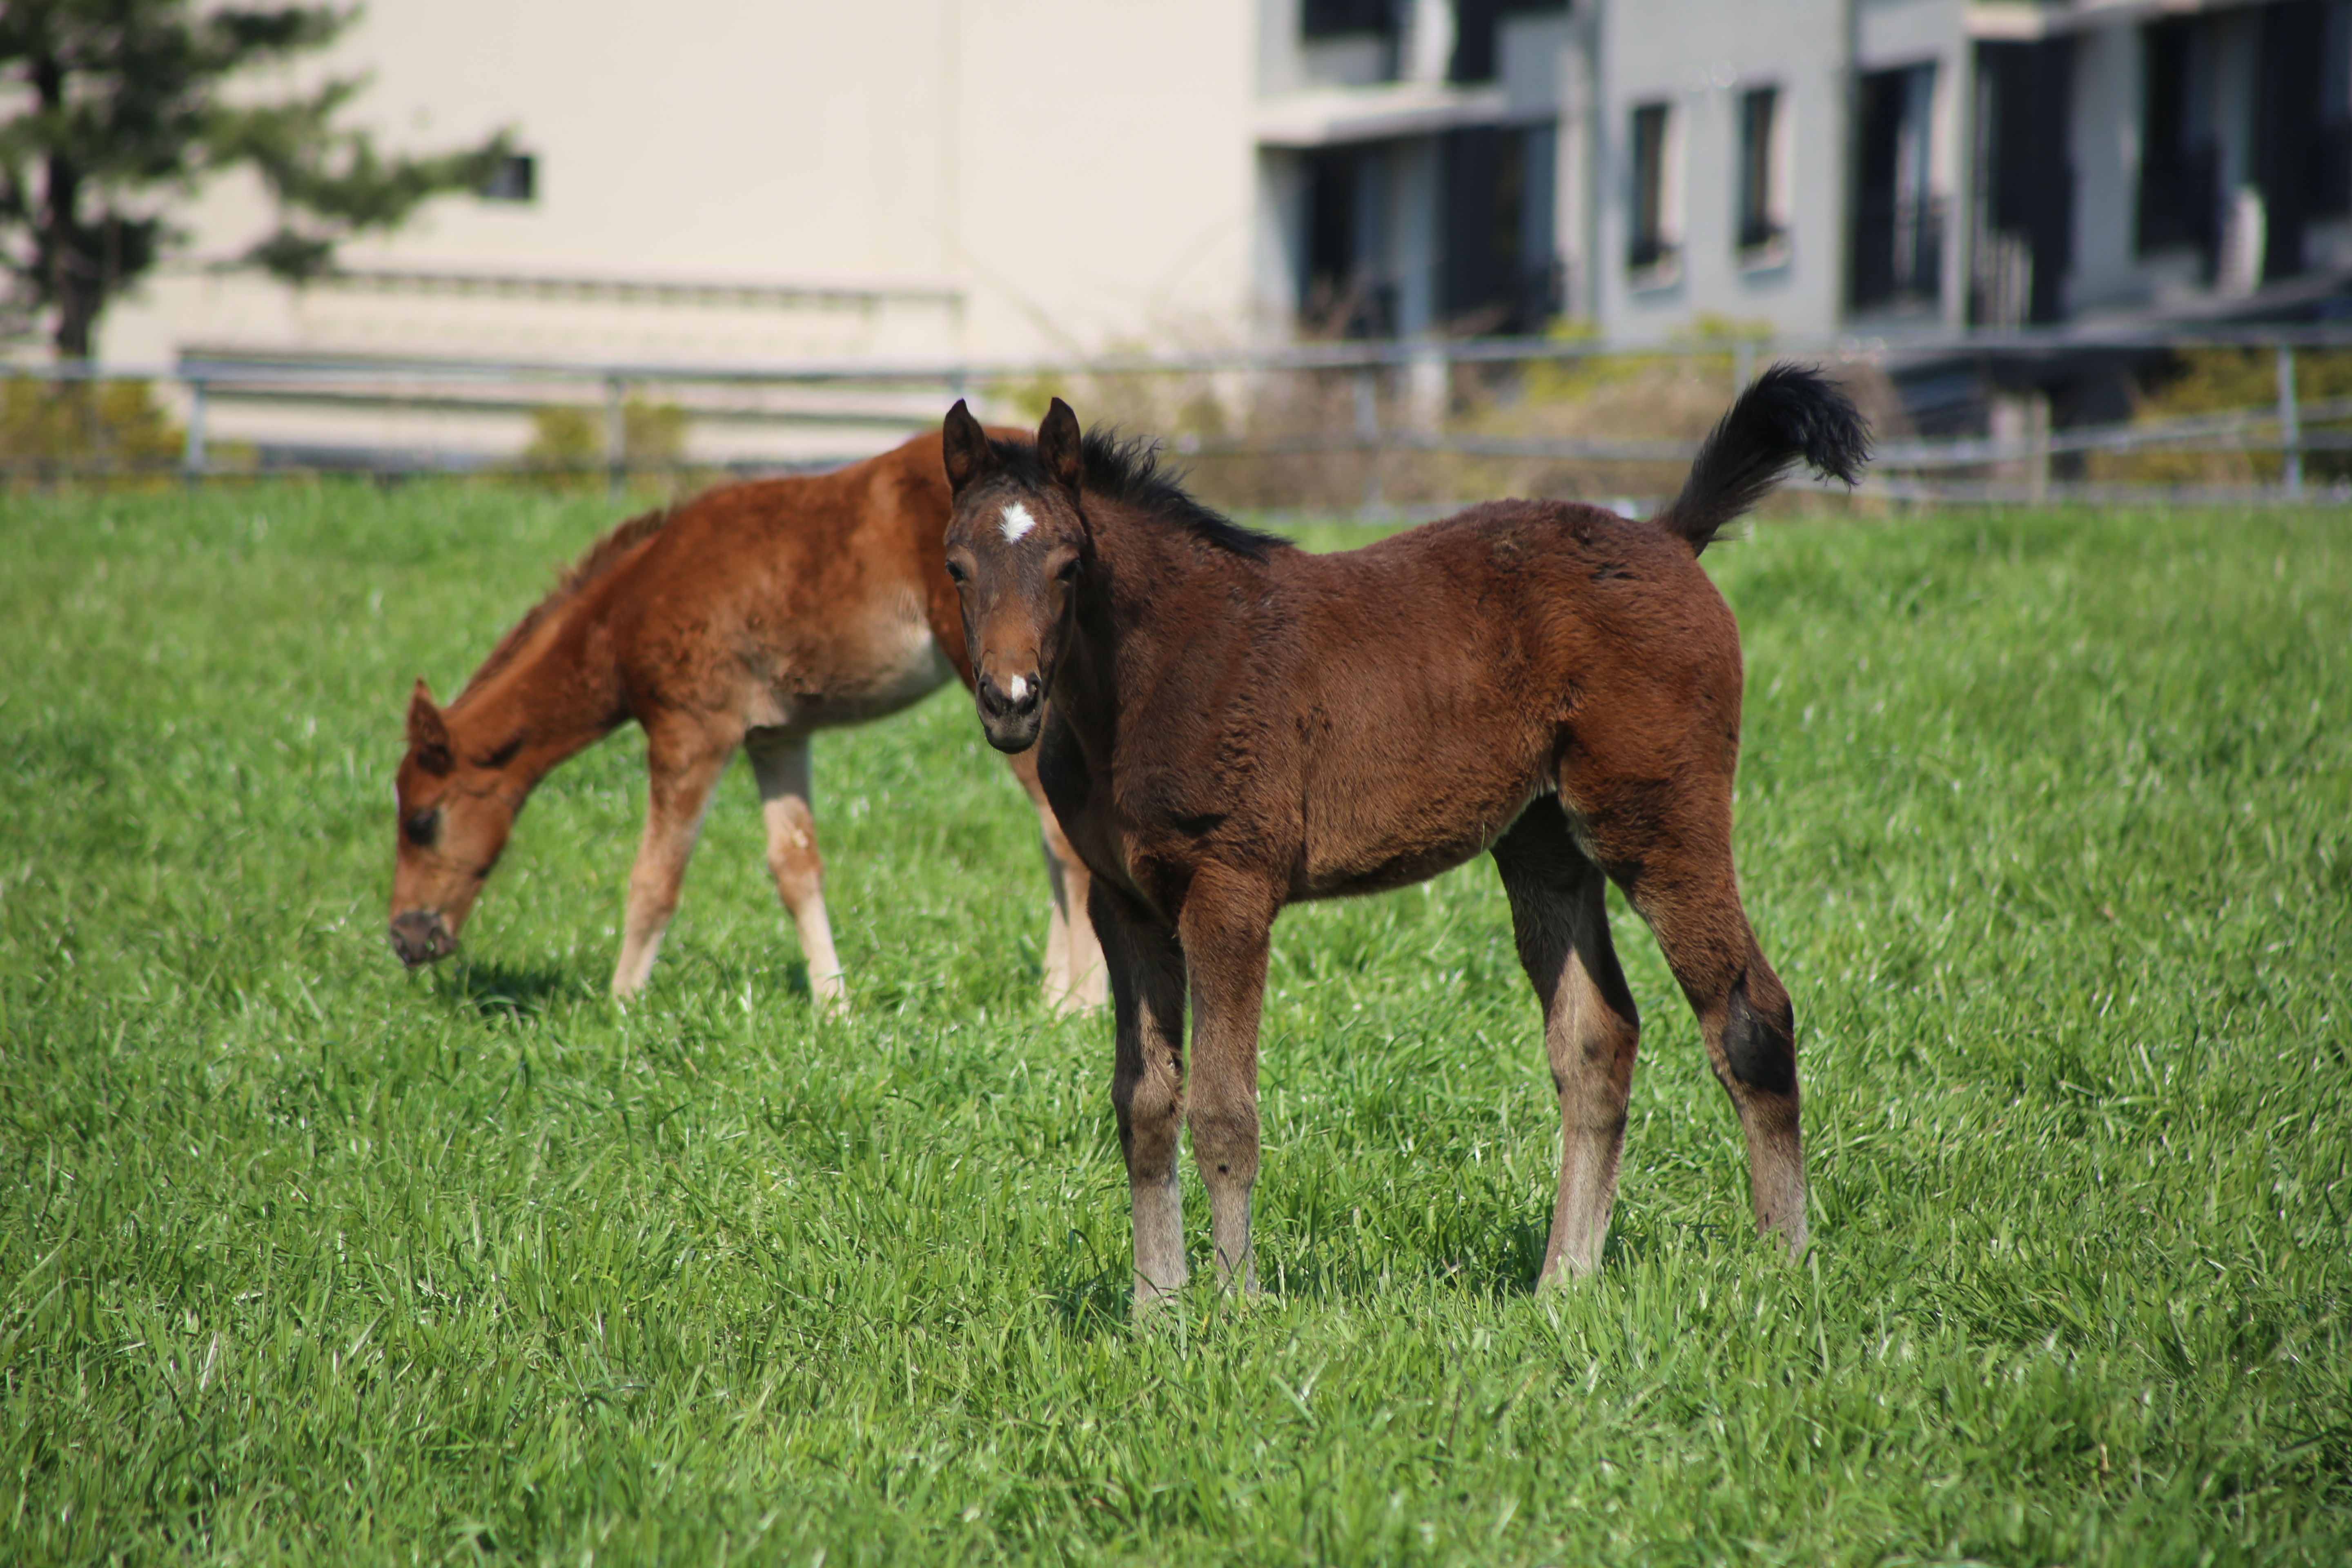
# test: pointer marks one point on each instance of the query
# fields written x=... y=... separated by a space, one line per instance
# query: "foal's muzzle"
x=1012 y=713
x=420 y=938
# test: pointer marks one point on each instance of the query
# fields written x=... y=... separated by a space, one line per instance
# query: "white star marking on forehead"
x=1018 y=521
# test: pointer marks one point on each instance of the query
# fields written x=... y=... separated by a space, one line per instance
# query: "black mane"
x=1127 y=470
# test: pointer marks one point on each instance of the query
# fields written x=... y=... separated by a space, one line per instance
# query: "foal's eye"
x=1068 y=572
x=422 y=828
x=955 y=574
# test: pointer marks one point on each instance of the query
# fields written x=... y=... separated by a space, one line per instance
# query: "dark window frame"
x=1897 y=260
x=1650 y=246
x=1479 y=34
x=2177 y=204
x=1760 y=216
x=1348 y=18
x=2331 y=158
x=515 y=181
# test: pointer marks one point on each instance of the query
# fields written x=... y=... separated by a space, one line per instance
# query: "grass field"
x=2046 y=821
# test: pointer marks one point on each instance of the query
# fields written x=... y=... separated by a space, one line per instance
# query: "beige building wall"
x=995 y=178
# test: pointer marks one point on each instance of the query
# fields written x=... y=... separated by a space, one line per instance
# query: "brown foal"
x=747 y=619
x=1234 y=725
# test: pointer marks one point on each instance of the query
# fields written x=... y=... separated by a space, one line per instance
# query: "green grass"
x=304 y=1258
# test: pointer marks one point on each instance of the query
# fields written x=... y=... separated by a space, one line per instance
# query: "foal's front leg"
x=682 y=768
x=1226 y=926
x=1147 y=1085
x=781 y=766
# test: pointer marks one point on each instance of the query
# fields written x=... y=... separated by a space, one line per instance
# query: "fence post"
x=2289 y=423
x=616 y=439
x=2020 y=428
x=192 y=453
x=1368 y=433
x=2037 y=442
x=1429 y=383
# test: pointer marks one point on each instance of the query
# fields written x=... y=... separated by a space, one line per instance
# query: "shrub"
x=79 y=429
x=2220 y=380
x=568 y=448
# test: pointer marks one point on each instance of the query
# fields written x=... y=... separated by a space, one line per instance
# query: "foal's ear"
x=1057 y=443
x=965 y=445
x=428 y=737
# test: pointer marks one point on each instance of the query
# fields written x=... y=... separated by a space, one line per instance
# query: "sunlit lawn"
x=303 y=1258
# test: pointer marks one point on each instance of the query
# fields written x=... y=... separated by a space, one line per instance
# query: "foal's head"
x=1016 y=546
x=456 y=809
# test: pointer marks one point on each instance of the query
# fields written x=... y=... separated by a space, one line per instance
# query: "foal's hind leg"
x=1677 y=872
x=682 y=768
x=1076 y=980
x=781 y=766
x=1560 y=918
x=1147 y=1085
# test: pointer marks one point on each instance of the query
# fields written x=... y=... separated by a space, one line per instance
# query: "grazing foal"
x=1235 y=725
x=744 y=620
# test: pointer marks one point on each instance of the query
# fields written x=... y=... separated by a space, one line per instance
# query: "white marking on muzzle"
x=1017 y=688
x=1018 y=521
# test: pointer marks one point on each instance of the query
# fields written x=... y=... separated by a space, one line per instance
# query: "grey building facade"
x=1900 y=169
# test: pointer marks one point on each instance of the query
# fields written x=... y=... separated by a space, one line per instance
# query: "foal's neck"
x=553 y=696
x=1151 y=573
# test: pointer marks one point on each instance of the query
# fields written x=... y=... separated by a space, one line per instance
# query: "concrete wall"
x=2107 y=118
x=1699 y=56
x=1090 y=176
x=1084 y=172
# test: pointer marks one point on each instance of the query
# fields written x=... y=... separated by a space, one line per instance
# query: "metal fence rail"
x=1386 y=397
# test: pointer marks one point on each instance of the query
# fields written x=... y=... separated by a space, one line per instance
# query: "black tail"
x=1790 y=413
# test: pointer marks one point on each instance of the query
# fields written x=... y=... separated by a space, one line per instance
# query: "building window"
x=1501 y=271
x=2331 y=164
x=516 y=179
x=1650 y=249
x=2181 y=156
x=1479 y=34
x=1898 y=223
x=1763 y=222
x=1342 y=290
x=1338 y=19
x=2022 y=207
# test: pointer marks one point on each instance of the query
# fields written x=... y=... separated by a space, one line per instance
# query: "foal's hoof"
x=1566 y=1275
x=1154 y=1304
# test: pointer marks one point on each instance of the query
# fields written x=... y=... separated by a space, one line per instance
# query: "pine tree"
x=118 y=111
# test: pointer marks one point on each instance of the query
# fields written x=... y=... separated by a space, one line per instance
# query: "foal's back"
x=825 y=591
x=1434 y=682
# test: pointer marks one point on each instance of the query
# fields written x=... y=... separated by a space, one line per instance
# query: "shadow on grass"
x=1096 y=1294
x=493 y=989
x=1335 y=1270
x=1504 y=1270
x=1093 y=1296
